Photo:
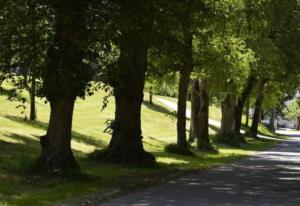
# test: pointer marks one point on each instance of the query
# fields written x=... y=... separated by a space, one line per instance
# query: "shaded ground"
x=268 y=178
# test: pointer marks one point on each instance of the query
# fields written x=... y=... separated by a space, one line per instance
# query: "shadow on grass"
x=214 y=128
x=42 y=125
x=161 y=109
x=12 y=93
x=18 y=157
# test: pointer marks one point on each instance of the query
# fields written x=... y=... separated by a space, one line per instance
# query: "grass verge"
x=19 y=148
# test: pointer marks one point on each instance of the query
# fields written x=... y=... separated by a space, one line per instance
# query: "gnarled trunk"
x=126 y=146
x=227 y=121
x=258 y=109
x=56 y=144
x=238 y=114
x=203 y=138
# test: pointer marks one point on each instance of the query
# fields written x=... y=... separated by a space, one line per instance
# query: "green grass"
x=214 y=111
x=19 y=148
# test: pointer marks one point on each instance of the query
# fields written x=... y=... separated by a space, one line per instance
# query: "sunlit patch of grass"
x=82 y=147
x=170 y=160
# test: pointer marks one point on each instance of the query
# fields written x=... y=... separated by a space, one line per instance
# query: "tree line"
x=227 y=50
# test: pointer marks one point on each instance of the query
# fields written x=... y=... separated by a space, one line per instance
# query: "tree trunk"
x=151 y=96
x=247 y=113
x=227 y=121
x=185 y=74
x=56 y=144
x=272 y=123
x=203 y=137
x=181 y=107
x=126 y=146
x=32 y=97
x=195 y=110
x=25 y=76
x=257 y=112
x=238 y=114
x=298 y=126
x=262 y=115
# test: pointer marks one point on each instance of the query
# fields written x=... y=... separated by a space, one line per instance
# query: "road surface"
x=270 y=178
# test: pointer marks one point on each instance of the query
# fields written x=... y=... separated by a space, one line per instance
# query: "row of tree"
x=229 y=47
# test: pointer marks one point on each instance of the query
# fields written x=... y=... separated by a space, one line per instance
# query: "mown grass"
x=19 y=148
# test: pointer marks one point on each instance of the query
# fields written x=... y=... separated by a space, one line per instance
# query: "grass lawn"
x=19 y=148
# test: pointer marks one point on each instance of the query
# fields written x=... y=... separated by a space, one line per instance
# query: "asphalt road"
x=270 y=178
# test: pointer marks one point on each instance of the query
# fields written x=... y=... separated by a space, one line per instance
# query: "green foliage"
x=166 y=85
x=293 y=110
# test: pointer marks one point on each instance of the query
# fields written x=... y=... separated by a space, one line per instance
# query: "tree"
x=188 y=17
x=199 y=114
x=65 y=77
x=292 y=112
x=235 y=58
x=258 y=109
x=134 y=22
x=195 y=110
x=241 y=101
x=25 y=29
x=203 y=138
x=272 y=122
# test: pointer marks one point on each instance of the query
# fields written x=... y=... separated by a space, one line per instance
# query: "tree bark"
x=151 y=96
x=32 y=97
x=185 y=74
x=238 y=114
x=258 y=108
x=272 y=123
x=181 y=105
x=298 y=126
x=126 y=146
x=203 y=137
x=56 y=145
x=247 y=113
x=195 y=110
x=227 y=121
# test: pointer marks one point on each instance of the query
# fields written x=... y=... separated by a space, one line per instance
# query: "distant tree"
x=28 y=30
x=292 y=112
